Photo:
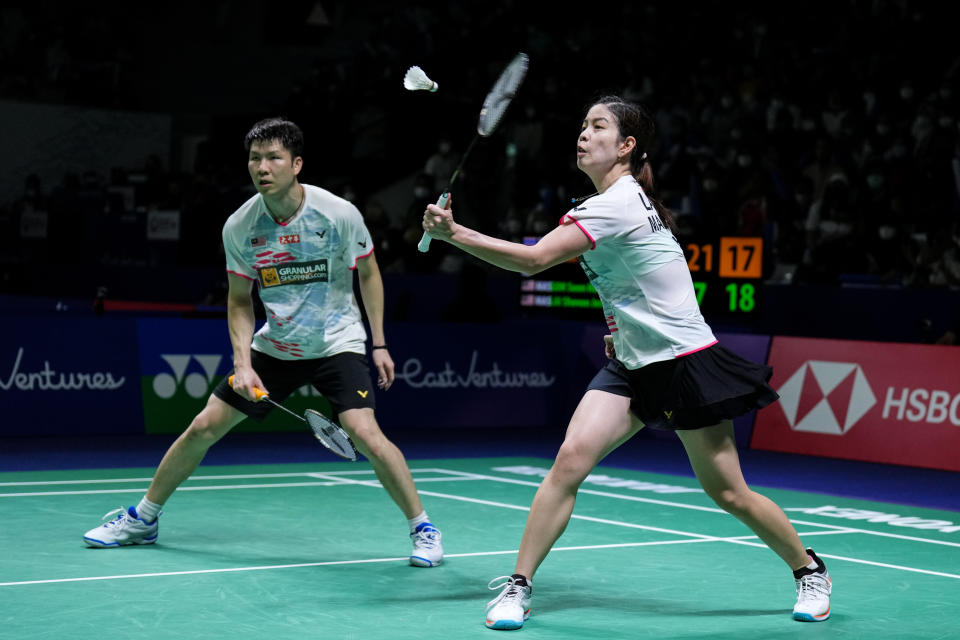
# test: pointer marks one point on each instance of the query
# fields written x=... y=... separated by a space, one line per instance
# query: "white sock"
x=813 y=564
x=147 y=510
x=416 y=521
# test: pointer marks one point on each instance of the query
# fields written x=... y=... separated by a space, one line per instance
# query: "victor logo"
x=197 y=385
x=826 y=397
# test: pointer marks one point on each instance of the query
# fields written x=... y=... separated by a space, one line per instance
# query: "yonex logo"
x=197 y=385
x=826 y=397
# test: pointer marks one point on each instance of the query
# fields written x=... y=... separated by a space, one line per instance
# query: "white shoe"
x=813 y=593
x=511 y=608
x=126 y=528
x=427 y=549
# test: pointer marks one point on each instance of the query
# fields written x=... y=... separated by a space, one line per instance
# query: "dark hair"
x=283 y=131
x=633 y=120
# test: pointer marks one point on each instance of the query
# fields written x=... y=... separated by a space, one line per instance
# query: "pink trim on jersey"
x=706 y=346
x=366 y=255
x=593 y=243
x=241 y=275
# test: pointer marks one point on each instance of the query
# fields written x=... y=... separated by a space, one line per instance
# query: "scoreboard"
x=727 y=275
x=733 y=265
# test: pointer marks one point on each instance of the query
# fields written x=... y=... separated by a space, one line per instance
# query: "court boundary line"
x=300 y=565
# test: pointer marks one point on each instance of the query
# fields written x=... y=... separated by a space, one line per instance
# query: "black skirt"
x=691 y=392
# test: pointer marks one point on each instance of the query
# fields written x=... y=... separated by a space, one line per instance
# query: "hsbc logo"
x=826 y=397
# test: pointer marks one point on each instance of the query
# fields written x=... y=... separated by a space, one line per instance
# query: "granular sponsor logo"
x=294 y=273
x=826 y=397
x=291 y=239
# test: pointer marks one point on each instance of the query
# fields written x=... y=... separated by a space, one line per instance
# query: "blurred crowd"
x=830 y=130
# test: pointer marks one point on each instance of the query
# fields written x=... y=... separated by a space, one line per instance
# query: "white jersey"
x=638 y=269
x=304 y=269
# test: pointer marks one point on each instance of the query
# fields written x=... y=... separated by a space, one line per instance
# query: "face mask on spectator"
x=886 y=232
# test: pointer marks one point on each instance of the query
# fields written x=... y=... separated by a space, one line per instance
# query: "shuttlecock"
x=417 y=80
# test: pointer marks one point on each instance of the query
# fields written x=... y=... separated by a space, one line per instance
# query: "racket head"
x=331 y=435
x=502 y=93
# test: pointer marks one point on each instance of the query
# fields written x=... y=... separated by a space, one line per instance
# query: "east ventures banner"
x=499 y=375
x=879 y=402
x=65 y=374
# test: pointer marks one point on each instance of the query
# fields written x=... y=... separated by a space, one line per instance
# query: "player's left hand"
x=384 y=364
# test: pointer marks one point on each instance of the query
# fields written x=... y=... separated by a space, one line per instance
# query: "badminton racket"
x=494 y=106
x=329 y=433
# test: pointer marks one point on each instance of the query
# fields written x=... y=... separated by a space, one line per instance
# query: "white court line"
x=334 y=481
x=620 y=545
x=681 y=505
x=346 y=562
x=195 y=478
x=334 y=478
x=690 y=537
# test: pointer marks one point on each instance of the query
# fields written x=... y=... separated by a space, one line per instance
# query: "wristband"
x=382 y=346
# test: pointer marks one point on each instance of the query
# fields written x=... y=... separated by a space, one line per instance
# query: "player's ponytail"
x=633 y=120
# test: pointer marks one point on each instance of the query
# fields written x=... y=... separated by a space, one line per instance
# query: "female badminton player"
x=665 y=369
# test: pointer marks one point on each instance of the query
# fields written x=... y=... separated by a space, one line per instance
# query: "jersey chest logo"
x=294 y=273
x=291 y=239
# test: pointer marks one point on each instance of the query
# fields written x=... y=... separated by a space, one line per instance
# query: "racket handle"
x=424 y=245
x=260 y=393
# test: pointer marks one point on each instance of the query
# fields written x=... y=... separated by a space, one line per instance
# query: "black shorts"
x=690 y=392
x=343 y=379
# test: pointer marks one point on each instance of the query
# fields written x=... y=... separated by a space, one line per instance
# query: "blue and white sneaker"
x=427 y=549
x=813 y=592
x=511 y=608
x=126 y=528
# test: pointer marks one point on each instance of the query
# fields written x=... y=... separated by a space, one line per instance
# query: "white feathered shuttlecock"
x=417 y=80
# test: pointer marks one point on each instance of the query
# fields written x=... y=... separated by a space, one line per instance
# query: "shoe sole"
x=507 y=625
x=417 y=561
x=110 y=545
x=809 y=617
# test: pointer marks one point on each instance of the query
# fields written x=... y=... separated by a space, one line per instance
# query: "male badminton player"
x=301 y=245
x=666 y=369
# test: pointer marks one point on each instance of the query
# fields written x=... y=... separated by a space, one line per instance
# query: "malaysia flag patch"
x=258 y=242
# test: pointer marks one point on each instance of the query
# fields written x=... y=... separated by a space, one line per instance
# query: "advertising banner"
x=878 y=402
x=496 y=375
x=67 y=375
x=182 y=360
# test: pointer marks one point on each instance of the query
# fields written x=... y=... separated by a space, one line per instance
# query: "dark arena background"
x=811 y=153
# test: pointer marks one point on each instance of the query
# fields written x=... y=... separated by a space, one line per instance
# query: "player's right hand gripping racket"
x=329 y=433
x=494 y=106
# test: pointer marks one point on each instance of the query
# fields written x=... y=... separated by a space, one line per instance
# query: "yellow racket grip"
x=260 y=393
